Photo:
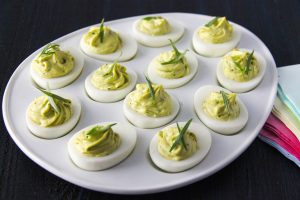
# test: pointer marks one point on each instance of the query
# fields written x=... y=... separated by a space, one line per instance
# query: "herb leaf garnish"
x=99 y=129
x=114 y=64
x=152 y=93
x=178 y=55
x=211 y=22
x=238 y=65
x=101 y=34
x=151 y=17
x=51 y=98
x=246 y=69
x=249 y=62
x=49 y=49
x=180 y=139
x=226 y=101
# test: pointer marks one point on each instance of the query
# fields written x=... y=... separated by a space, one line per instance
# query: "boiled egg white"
x=128 y=138
x=59 y=82
x=218 y=49
x=59 y=130
x=176 y=32
x=173 y=83
x=126 y=52
x=143 y=121
x=204 y=141
x=107 y=96
x=223 y=127
x=236 y=86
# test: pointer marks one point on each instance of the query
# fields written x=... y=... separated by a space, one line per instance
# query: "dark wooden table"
x=259 y=173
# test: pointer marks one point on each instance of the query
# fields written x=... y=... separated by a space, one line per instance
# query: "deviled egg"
x=173 y=69
x=220 y=110
x=150 y=106
x=241 y=70
x=102 y=146
x=216 y=37
x=180 y=146
x=106 y=44
x=56 y=68
x=155 y=31
x=110 y=83
x=51 y=116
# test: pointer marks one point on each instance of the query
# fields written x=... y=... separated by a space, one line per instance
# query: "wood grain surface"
x=259 y=173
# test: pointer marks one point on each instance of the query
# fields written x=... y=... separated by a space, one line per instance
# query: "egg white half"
x=126 y=52
x=223 y=127
x=203 y=141
x=173 y=83
x=106 y=96
x=175 y=34
x=143 y=121
x=128 y=140
x=60 y=130
x=215 y=50
x=59 y=82
x=236 y=86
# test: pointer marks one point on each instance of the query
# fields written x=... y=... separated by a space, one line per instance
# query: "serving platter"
x=137 y=174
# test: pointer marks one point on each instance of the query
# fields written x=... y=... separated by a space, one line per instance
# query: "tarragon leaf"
x=249 y=62
x=226 y=101
x=180 y=137
x=178 y=55
x=150 y=87
x=101 y=34
x=211 y=22
x=99 y=129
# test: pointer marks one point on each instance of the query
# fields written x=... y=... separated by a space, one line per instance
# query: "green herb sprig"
x=49 y=49
x=226 y=101
x=249 y=62
x=101 y=34
x=180 y=137
x=211 y=22
x=246 y=69
x=178 y=55
x=113 y=65
x=99 y=129
x=149 y=83
x=51 y=98
x=151 y=17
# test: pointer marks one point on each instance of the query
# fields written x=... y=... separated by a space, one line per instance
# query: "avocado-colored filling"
x=154 y=26
x=110 y=77
x=166 y=139
x=97 y=143
x=218 y=32
x=43 y=114
x=111 y=41
x=142 y=101
x=215 y=106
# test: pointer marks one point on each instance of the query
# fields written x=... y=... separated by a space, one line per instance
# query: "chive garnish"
x=211 y=22
x=150 y=18
x=226 y=100
x=49 y=49
x=150 y=87
x=101 y=34
x=99 y=129
x=180 y=139
x=249 y=62
x=178 y=55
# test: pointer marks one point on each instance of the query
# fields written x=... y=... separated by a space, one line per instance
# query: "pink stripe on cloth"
x=275 y=130
x=270 y=135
